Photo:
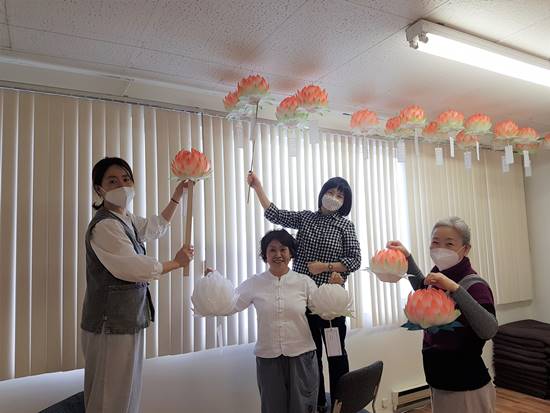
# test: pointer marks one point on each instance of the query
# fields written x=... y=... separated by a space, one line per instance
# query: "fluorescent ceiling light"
x=451 y=44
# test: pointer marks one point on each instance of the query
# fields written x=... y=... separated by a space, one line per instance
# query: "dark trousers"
x=337 y=366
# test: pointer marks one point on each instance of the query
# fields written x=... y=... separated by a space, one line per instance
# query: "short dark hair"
x=283 y=237
x=100 y=168
x=341 y=185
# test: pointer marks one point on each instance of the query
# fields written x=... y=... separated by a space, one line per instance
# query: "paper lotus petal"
x=389 y=265
x=213 y=295
x=288 y=112
x=330 y=301
x=506 y=130
x=392 y=126
x=450 y=120
x=526 y=135
x=464 y=140
x=431 y=132
x=478 y=124
x=412 y=116
x=312 y=98
x=190 y=165
x=363 y=121
x=430 y=307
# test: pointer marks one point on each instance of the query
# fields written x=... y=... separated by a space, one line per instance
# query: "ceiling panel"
x=535 y=39
x=493 y=20
x=220 y=31
x=409 y=9
x=81 y=50
x=121 y=21
x=323 y=35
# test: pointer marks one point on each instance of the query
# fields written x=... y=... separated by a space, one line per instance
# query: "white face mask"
x=121 y=197
x=444 y=258
x=331 y=203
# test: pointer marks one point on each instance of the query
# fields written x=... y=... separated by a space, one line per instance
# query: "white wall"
x=537 y=197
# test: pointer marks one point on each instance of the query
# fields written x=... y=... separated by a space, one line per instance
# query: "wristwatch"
x=330 y=267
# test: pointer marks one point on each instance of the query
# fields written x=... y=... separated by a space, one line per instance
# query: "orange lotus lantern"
x=506 y=130
x=465 y=141
x=450 y=121
x=531 y=147
x=546 y=141
x=288 y=112
x=230 y=101
x=389 y=265
x=252 y=89
x=478 y=124
x=412 y=117
x=193 y=166
x=431 y=132
x=526 y=136
x=313 y=99
x=363 y=122
x=392 y=127
x=431 y=309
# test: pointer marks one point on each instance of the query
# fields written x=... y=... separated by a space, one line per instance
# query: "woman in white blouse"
x=286 y=360
x=117 y=305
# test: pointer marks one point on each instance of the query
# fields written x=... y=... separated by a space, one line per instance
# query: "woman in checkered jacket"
x=328 y=251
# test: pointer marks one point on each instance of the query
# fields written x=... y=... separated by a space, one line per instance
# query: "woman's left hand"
x=182 y=186
x=316 y=267
x=441 y=281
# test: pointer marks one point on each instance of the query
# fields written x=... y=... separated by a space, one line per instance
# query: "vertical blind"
x=48 y=146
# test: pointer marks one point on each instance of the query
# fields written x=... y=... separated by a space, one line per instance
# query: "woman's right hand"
x=396 y=245
x=253 y=180
x=184 y=255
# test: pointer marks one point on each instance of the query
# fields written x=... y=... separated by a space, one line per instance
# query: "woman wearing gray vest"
x=117 y=305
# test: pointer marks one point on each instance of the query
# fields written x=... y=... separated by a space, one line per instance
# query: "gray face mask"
x=121 y=197
x=331 y=203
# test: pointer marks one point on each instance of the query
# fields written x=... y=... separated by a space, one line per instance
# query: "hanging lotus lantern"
x=450 y=121
x=288 y=112
x=506 y=130
x=431 y=133
x=330 y=301
x=389 y=265
x=526 y=136
x=531 y=147
x=393 y=126
x=465 y=141
x=213 y=295
x=313 y=99
x=431 y=309
x=478 y=124
x=546 y=141
x=412 y=118
x=252 y=89
x=364 y=122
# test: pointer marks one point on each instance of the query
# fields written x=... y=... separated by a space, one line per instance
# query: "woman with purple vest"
x=117 y=305
x=453 y=366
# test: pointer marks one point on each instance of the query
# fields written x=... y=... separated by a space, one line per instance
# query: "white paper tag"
x=313 y=132
x=219 y=332
x=239 y=135
x=477 y=150
x=505 y=164
x=292 y=143
x=528 y=171
x=439 y=156
x=526 y=159
x=509 y=153
x=452 y=145
x=401 y=152
x=416 y=146
x=332 y=341
x=468 y=160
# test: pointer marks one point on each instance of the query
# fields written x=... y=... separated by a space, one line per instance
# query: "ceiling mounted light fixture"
x=442 y=41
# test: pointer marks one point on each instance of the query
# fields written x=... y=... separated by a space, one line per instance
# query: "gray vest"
x=112 y=305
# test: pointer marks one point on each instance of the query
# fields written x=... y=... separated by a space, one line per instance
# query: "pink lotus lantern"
x=313 y=99
x=478 y=124
x=465 y=141
x=288 y=112
x=450 y=121
x=412 y=117
x=506 y=130
x=526 y=136
x=431 y=132
x=190 y=165
x=392 y=127
x=364 y=122
x=431 y=309
x=230 y=101
x=252 y=89
x=389 y=265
